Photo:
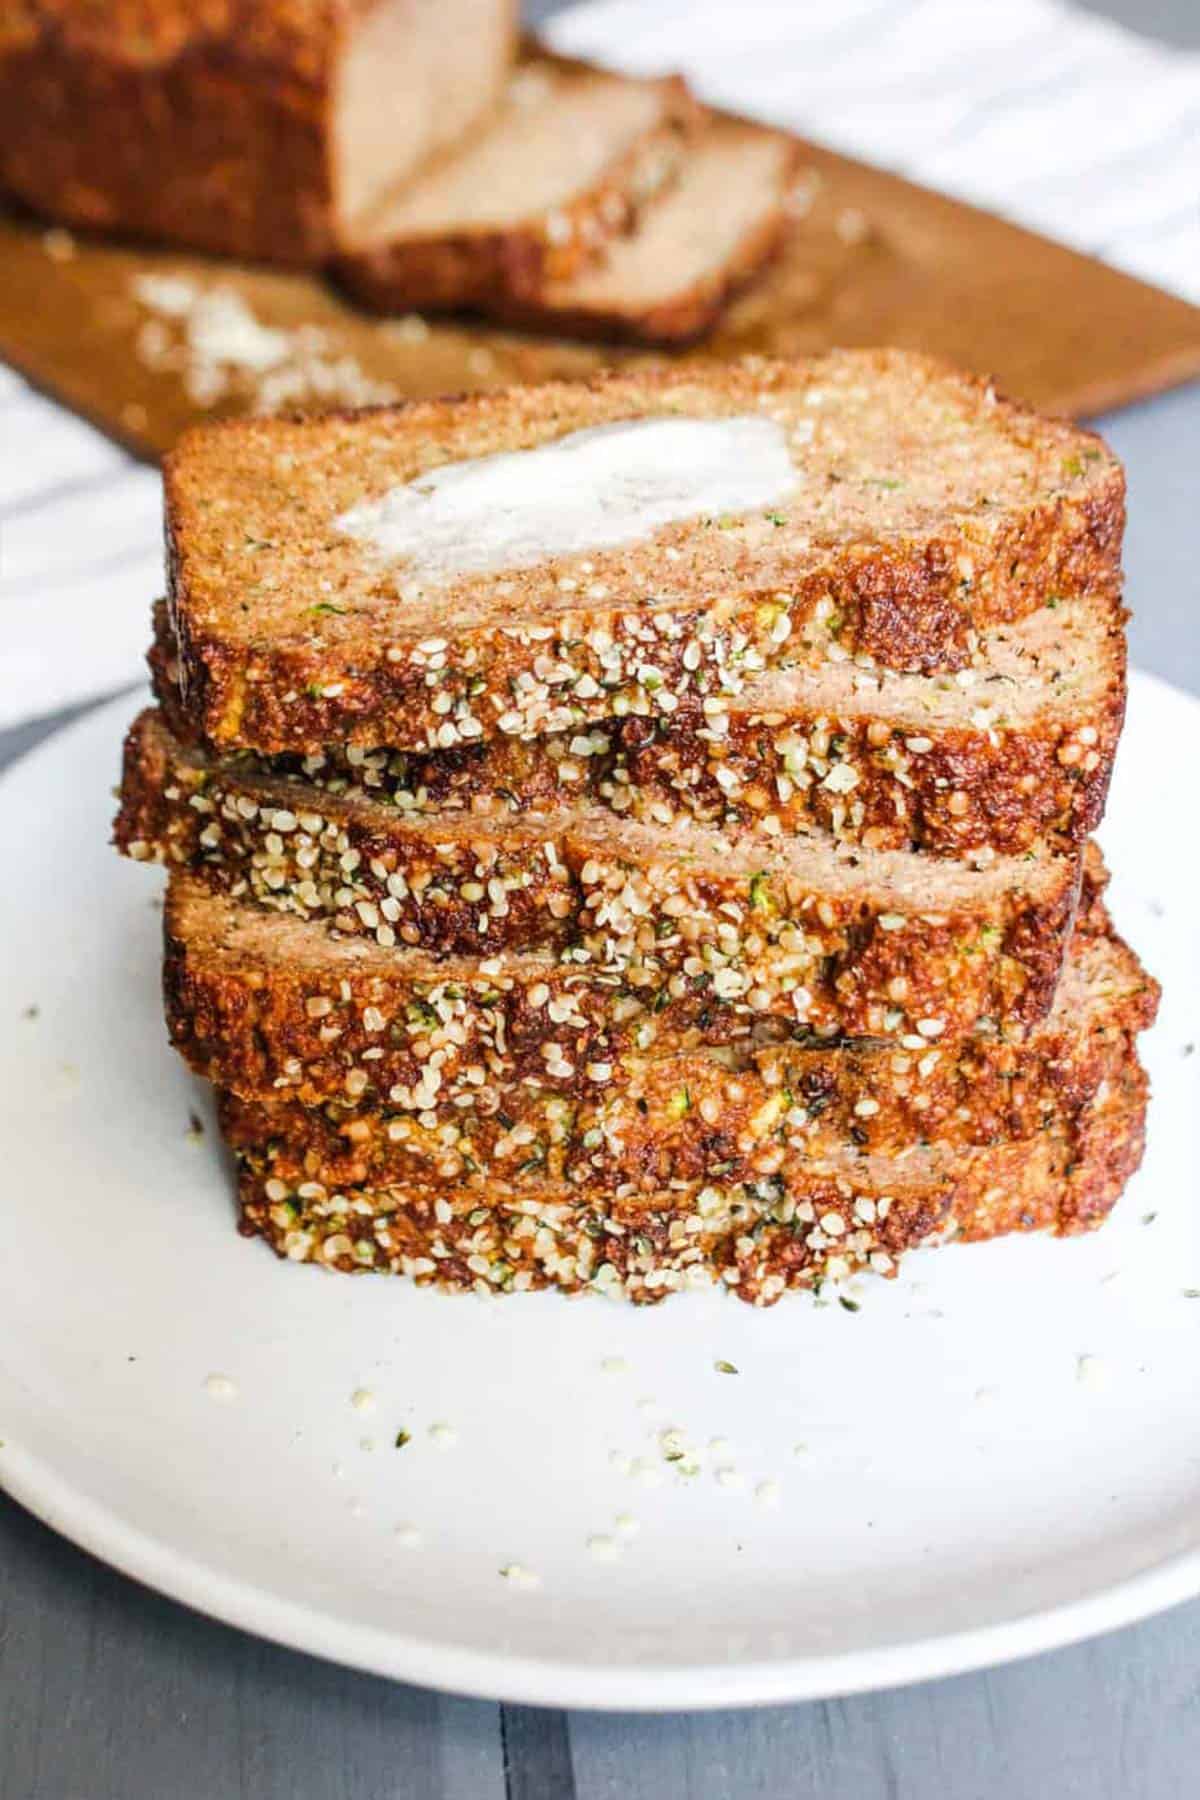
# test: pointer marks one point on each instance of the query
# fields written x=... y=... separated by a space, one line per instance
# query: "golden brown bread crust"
x=271 y=1008
x=295 y=36
x=1066 y=1186
x=745 y=761
x=374 y=1024
x=970 y=789
x=700 y=1116
x=295 y=672
x=228 y=102
x=232 y=98
x=811 y=942
x=488 y=267
x=758 y=1240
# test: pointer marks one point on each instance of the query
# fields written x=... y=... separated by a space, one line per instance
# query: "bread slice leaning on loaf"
x=258 y=131
x=669 y=281
x=566 y=164
x=883 y=506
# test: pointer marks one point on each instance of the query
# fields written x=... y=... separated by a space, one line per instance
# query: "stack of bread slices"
x=635 y=834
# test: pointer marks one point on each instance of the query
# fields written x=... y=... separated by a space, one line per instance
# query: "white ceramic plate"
x=1000 y=1450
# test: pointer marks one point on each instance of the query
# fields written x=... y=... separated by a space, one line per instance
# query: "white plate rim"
x=532 y=1681
x=504 y=1676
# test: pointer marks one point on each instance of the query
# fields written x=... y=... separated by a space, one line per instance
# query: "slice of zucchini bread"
x=669 y=281
x=757 y=1239
x=522 y=561
x=736 y=1115
x=1016 y=746
x=274 y=1007
x=831 y=936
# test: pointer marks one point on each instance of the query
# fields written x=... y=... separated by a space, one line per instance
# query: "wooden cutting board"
x=873 y=260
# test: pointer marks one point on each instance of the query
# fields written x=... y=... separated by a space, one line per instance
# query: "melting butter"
x=591 y=490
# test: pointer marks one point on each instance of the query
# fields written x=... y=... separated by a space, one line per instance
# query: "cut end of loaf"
x=411 y=83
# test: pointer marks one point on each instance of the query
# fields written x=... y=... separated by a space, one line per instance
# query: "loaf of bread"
x=251 y=128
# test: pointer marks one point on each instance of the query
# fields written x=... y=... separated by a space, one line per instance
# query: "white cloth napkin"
x=1053 y=117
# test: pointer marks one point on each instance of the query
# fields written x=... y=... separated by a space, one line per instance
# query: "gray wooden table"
x=108 y=1692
